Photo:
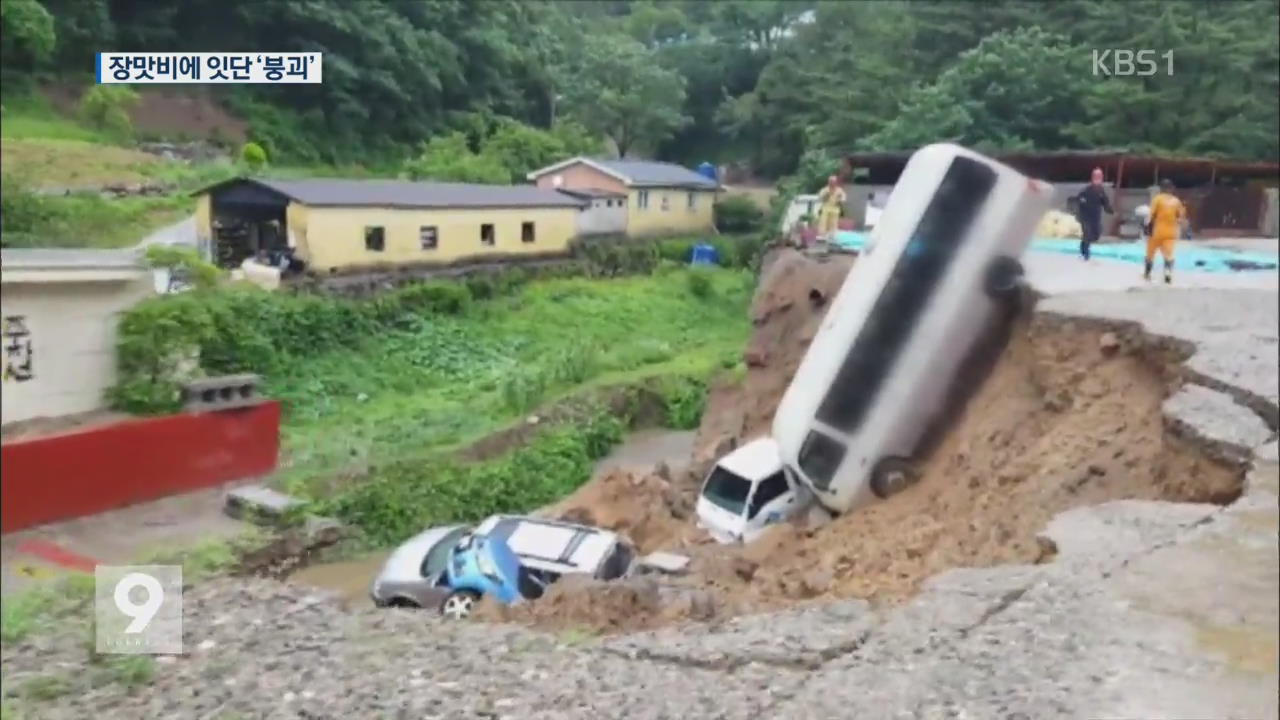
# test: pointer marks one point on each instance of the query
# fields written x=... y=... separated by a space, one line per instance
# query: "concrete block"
x=258 y=501
x=221 y=393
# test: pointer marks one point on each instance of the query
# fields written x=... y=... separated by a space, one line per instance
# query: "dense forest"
x=767 y=83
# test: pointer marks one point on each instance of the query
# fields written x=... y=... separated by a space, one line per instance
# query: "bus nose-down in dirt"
x=746 y=491
x=944 y=273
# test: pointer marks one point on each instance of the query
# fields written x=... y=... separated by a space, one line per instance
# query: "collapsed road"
x=1104 y=600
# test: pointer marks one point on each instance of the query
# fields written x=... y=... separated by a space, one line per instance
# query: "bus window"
x=901 y=304
x=820 y=457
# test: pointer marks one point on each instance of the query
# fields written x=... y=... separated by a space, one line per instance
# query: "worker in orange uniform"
x=832 y=199
x=1167 y=216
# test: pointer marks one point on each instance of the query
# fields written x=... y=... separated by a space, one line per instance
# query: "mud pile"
x=1070 y=415
x=646 y=508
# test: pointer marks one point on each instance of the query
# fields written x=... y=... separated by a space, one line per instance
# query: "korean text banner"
x=205 y=68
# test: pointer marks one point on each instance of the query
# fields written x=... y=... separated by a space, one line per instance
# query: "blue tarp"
x=704 y=254
x=1189 y=255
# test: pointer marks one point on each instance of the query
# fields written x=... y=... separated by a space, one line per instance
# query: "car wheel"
x=1004 y=278
x=459 y=604
x=892 y=476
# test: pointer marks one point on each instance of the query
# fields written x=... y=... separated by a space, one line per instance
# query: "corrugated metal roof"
x=657 y=174
x=320 y=192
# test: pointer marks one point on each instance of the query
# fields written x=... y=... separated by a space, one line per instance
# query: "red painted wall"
x=109 y=466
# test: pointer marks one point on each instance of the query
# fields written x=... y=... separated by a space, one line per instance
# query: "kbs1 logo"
x=1128 y=63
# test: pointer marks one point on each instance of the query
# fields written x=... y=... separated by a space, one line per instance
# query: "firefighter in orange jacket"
x=1167 y=216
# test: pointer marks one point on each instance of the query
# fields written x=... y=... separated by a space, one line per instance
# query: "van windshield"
x=727 y=490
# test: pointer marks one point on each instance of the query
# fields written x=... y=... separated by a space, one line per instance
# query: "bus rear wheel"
x=891 y=476
x=1004 y=279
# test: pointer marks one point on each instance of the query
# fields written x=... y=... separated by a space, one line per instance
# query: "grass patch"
x=87 y=220
x=445 y=380
x=128 y=671
x=44 y=606
x=67 y=163
x=210 y=557
x=43 y=688
x=30 y=116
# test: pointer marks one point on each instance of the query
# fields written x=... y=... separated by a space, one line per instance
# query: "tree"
x=522 y=149
x=106 y=107
x=1016 y=90
x=616 y=88
x=26 y=33
x=448 y=158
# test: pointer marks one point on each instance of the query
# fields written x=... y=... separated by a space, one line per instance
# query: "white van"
x=944 y=270
x=748 y=490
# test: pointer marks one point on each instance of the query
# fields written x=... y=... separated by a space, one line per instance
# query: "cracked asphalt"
x=1147 y=610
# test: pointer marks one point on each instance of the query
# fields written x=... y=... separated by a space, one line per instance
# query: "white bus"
x=942 y=273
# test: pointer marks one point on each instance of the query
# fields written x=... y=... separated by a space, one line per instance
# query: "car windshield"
x=438 y=556
x=727 y=490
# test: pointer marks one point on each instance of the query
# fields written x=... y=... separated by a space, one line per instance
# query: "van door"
x=772 y=501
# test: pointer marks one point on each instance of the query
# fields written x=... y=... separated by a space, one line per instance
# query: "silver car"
x=416 y=574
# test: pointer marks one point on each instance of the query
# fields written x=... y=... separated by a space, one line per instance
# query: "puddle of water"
x=351 y=579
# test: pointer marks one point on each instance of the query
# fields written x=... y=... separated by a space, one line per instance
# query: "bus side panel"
x=956 y=319
x=848 y=310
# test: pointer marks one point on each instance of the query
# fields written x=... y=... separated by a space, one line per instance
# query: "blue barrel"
x=707 y=170
x=704 y=254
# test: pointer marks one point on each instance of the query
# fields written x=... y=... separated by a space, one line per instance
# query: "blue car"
x=480 y=566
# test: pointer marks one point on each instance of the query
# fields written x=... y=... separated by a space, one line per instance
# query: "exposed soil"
x=1070 y=415
x=195 y=114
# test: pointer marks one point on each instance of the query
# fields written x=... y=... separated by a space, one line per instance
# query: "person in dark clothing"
x=1090 y=203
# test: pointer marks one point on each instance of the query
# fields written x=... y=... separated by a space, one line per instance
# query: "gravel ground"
x=1149 y=610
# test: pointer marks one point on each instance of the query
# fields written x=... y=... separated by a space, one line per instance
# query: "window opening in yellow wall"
x=429 y=236
x=375 y=239
x=693 y=200
x=666 y=204
x=526 y=232
x=642 y=199
x=486 y=234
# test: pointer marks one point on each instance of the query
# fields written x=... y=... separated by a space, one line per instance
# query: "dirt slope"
x=1070 y=415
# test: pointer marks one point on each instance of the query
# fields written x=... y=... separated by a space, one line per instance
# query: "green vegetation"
x=200 y=273
x=253 y=155
x=31 y=219
x=45 y=606
x=106 y=107
x=413 y=373
x=738 y=214
x=400 y=498
x=508 y=151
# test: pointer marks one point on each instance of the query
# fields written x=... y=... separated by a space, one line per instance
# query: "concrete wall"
x=334 y=237
x=68 y=317
x=660 y=211
x=604 y=216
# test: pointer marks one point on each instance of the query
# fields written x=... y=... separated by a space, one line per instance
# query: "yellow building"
x=661 y=198
x=333 y=225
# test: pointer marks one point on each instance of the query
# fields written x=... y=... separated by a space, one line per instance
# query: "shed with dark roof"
x=333 y=224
